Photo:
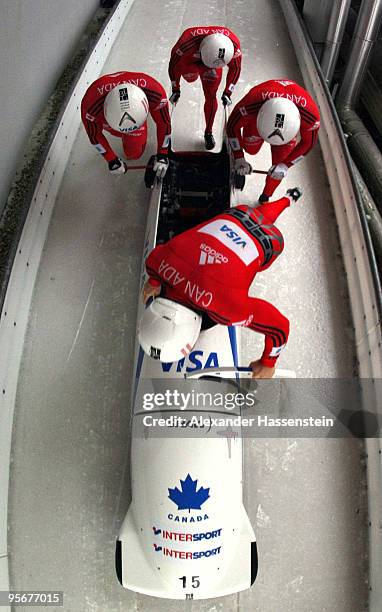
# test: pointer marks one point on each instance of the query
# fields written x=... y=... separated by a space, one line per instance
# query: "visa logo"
x=196 y=360
x=234 y=236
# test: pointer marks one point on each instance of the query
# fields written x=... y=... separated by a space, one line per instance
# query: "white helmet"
x=278 y=121
x=126 y=107
x=168 y=330
x=216 y=50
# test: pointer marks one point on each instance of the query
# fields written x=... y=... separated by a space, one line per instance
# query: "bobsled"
x=186 y=534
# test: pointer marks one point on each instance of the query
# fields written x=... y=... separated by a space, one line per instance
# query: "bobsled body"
x=186 y=534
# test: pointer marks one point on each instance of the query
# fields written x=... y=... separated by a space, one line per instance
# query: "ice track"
x=70 y=474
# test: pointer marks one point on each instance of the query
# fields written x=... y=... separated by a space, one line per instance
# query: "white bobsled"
x=186 y=534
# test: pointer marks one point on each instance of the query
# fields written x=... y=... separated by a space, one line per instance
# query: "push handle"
x=232 y=372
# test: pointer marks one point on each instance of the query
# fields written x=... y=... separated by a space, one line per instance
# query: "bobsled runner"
x=186 y=534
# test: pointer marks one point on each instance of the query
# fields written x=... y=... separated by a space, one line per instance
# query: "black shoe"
x=263 y=198
x=294 y=193
x=209 y=141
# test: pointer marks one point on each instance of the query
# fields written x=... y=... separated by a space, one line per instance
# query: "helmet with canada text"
x=216 y=50
x=278 y=121
x=126 y=108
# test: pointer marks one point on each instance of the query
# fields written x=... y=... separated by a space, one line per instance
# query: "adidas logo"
x=208 y=256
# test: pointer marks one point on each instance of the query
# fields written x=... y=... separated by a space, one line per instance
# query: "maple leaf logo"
x=189 y=498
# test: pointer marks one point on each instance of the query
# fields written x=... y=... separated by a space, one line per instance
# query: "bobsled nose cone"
x=142 y=566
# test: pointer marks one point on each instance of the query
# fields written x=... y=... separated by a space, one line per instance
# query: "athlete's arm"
x=245 y=113
x=150 y=289
x=174 y=72
x=177 y=52
x=234 y=69
x=158 y=105
x=94 y=131
x=269 y=321
x=153 y=266
x=310 y=124
x=234 y=125
x=153 y=284
x=261 y=371
x=307 y=142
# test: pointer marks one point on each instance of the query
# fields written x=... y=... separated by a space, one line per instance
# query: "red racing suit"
x=134 y=143
x=210 y=268
x=242 y=129
x=185 y=62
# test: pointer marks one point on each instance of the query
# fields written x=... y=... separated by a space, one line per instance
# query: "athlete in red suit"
x=186 y=62
x=242 y=130
x=134 y=143
x=210 y=268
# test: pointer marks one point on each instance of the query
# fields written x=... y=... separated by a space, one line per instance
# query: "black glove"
x=117 y=166
x=175 y=96
x=226 y=98
x=295 y=193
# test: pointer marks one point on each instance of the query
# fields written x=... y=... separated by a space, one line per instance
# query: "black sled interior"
x=196 y=188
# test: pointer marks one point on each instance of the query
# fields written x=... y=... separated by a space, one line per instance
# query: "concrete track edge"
x=15 y=312
x=362 y=277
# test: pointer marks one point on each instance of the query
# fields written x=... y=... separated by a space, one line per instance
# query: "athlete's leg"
x=134 y=143
x=271 y=210
x=210 y=78
x=279 y=153
x=268 y=234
